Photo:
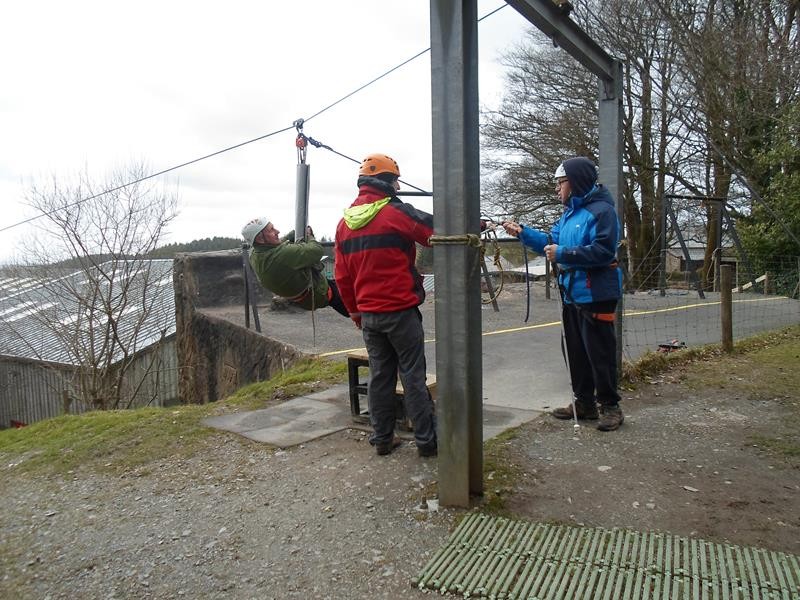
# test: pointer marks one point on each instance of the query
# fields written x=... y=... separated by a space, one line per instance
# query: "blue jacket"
x=587 y=235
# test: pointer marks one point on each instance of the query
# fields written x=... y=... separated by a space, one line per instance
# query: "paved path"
x=523 y=369
x=302 y=419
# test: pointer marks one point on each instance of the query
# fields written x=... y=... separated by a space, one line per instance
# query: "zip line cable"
x=393 y=69
x=196 y=160
x=379 y=77
x=317 y=144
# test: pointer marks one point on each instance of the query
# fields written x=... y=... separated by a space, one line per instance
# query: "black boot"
x=611 y=418
x=586 y=412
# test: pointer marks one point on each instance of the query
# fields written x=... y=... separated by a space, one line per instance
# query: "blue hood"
x=582 y=175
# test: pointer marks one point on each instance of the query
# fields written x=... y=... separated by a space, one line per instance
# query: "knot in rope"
x=471 y=240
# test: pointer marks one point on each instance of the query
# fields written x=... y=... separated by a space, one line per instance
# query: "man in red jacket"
x=381 y=288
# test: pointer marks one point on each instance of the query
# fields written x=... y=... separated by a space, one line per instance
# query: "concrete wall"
x=215 y=355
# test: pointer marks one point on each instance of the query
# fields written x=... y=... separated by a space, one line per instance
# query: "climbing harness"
x=299 y=297
x=606 y=317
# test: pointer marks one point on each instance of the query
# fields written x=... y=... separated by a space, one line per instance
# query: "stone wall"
x=217 y=356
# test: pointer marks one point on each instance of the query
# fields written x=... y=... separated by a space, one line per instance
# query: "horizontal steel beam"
x=556 y=24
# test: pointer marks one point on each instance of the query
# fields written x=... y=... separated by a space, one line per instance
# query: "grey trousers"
x=396 y=343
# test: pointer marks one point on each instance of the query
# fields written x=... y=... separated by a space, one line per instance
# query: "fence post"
x=726 y=307
x=66 y=401
x=797 y=287
x=767 y=283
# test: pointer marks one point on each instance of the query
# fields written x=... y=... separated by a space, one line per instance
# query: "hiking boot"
x=611 y=418
x=384 y=449
x=428 y=451
x=586 y=412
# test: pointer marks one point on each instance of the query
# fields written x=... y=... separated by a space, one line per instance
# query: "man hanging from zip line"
x=291 y=270
x=583 y=245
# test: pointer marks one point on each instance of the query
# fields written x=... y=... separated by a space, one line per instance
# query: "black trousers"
x=396 y=344
x=592 y=352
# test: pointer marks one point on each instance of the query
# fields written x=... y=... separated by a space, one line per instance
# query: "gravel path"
x=328 y=519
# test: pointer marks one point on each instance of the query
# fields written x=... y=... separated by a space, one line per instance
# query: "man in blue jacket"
x=583 y=245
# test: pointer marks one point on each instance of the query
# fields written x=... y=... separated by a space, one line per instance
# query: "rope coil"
x=491 y=234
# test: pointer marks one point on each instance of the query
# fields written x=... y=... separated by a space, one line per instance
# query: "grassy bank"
x=122 y=439
x=762 y=367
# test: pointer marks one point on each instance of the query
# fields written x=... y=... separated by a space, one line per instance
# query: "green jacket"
x=288 y=269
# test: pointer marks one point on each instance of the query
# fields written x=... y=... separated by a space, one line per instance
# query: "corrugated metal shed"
x=47 y=321
x=42 y=323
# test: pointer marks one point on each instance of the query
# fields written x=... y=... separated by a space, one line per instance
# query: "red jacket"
x=376 y=250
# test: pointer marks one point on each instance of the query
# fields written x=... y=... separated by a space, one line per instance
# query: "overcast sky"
x=97 y=85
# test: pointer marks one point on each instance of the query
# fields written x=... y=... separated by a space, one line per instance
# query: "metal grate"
x=493 y=557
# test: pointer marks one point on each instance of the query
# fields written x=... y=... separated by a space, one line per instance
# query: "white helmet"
x=253 y=228
x=560 y=172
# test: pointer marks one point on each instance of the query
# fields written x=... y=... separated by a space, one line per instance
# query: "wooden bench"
x=358 y=387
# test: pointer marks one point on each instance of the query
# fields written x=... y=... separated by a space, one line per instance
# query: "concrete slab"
x=306 y=418
x=497 y=419
x=293 y=422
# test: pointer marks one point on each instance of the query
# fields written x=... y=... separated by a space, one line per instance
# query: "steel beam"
x=557 y=25
x=456 y=203
x=610 y=167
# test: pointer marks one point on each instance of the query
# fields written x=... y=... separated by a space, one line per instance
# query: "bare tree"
x=93 y=292
x=742 y=63
x=706 y=83
x=548 y=112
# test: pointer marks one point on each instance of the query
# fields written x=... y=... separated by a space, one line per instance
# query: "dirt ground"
x=330 y=519
x=687 y=462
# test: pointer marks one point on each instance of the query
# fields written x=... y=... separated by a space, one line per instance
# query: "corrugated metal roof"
x=43 y=319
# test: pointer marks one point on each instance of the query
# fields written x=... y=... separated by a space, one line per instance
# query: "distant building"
x=676 y=261
x=37 y=364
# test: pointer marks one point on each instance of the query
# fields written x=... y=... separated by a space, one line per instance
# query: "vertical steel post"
x=456 y=203
x=726 y=306
x=610 y=167
x=301 y=201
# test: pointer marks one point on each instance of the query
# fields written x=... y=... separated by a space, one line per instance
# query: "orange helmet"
x=375 y=164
